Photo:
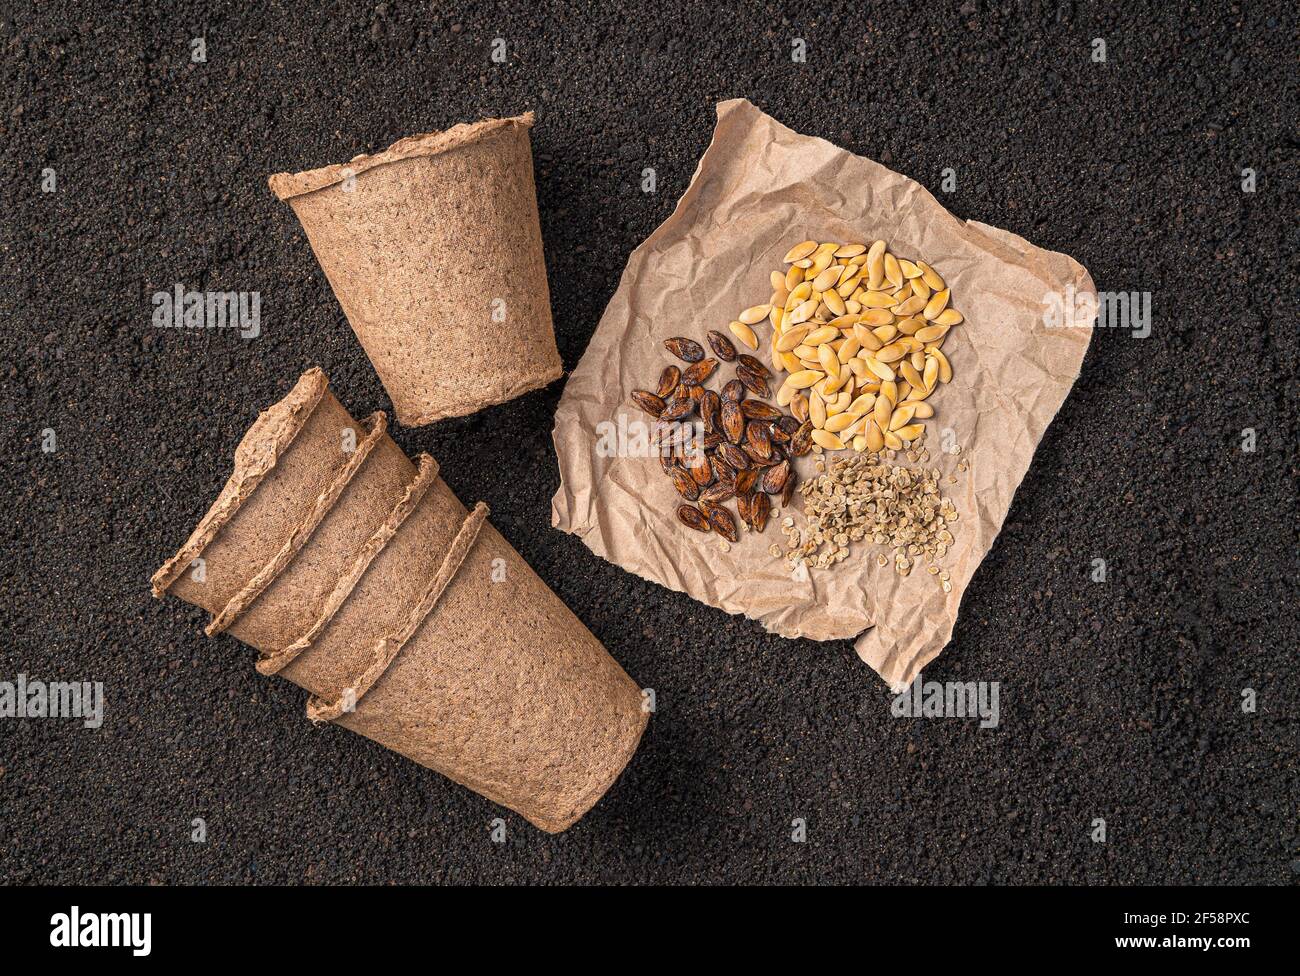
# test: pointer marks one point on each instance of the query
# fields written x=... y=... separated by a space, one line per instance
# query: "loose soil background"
x=1119 y=700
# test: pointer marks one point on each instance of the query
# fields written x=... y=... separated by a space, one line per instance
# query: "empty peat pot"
x=359 y=576
x=434 y=249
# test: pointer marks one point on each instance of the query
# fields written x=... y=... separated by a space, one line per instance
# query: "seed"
x=877 y=316
x=901 y=416
x=882 y=411
x=701 y=471
x=804 y=378
x=799 y=407
x=751 y=363
x=818 y=336
x=826 y=279
x=774 y=478
x=931 y=373
x=758 y=410
x=722 y=346
x=687 y=350
x=938 y=301
x=879 y=299
x=910 y=270
x=686 y=486
x=719 y=491
x=911 y=375
x=827 y=440
x=829 y=360
x=816 y=409
x=840 y=422
x=651 y=404
x=801 y=442
x=668 y=380
x=949 y=316
x=890 y=353
x=834 y=302
x=720 y=520
x=755 y=383
x=799 y=252
x=791 y=338
x=911 y=432
x=697 y=373
x=909 y=307
x=744 y=333
x=804 y=311
x=922 y=411
x=710 y=407
x=875 y=439
x=945 y=367
x=850 y=250
x=754 y=314
x=758 y=437
x=692 y=517
x=760 y=507
x=876 y=264
x=892 y=270
x=733 y=390
x=931 y=276
x=931 y=332
x=879 y=368
x=733 y=421
x=893 y=441
x=734 y=456
x=677 y=408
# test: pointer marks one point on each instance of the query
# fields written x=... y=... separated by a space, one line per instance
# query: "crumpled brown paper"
x=760 y=189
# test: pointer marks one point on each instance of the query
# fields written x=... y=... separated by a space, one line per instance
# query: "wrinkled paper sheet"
x=760 y=189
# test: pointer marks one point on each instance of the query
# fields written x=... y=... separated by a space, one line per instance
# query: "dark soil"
x=1120 y=701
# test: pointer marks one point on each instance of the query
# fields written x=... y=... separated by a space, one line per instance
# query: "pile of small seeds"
x=859 y=332
x=860 y=498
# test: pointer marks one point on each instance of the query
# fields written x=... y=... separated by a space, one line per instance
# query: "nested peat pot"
x=359 y=576
x=434 y=249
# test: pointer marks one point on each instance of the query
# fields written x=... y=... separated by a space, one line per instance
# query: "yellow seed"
x=841 y=421
x=920 y=289
x=830 y=362
x=931 y=276
x=918 y=360
x=910 y=270
x=876 y=264
x=936 y=304
x=785 y=394
x=744 y=333
x=827 y=440
x=901 y=417
x=869 y=385
x=922 y=411
x=850 y=250
x=882 y=411
x=904 y=388
x=858 y=368
x=885 y=332
x=891 y=353
x=860 y=443
x=790 y=362
x=816 y=410
x=861 y=405
x=909 y=307
x=892 y=441
x=825 y=334
x=911 y=432
x=889 y=390
x=777 y=278
x=791 y=337
x=892 y=271
x=792 y=278
x=880 y=369
x=805 y=378
x=848 y=348
x=799 y=407
x=877 y=316
x=820 y=263
x=799 y=294
x=777 y=317
x=799 y=252
x=931 y=373
x=949 y=316
x=826 y=279
x=910 y=326
x=931 y=332
x=945 y=367
x=911 y=374
x=878 y=299
x=847 y=287
x=875 y=439
x=833 y=301
x=804 y=312
x=754 y=314
x=868 y=338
